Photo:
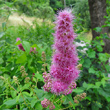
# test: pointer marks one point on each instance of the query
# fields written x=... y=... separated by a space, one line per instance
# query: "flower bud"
x=1 y=77
x=79 y=66
x=27 y=79
x=15 y=79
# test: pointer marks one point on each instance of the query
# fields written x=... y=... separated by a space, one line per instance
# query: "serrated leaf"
x=10 y=102
x=33 y=102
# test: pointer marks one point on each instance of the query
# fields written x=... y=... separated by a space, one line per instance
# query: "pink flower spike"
x=65 y=59
x=63 y=70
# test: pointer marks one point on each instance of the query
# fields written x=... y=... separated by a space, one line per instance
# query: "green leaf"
x=47 y=96
x=33 y=102
x=98 y=84
x=18 y=42
x=85 y=85
x=18 y=97
x=91 y=54
x=99 y=104
x=99 y=48
x=96 y=105
x=102 y=57
x=87 y=63
x=91 y=70
x=107 y=67
x=39 y=92
x=90 y=86
x=26 y=46
x=1 y=34
x=1 y=82
x=21 y=59
x=13 y=93
x=69 y=97
x=104 y=93
x=32 y=69
x=78 y=90
x=88 y=98
x=98 y=29
x=4 y=26
x=1 y=60
x=39 y=76
x=57 y=107
x=25 y=94
x=26 y=86
x=38 y=106
x=10 y=102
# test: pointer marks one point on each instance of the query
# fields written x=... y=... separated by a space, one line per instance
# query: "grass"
x=15 y=20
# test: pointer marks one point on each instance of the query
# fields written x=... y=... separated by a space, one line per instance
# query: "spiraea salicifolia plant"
x=63 y=71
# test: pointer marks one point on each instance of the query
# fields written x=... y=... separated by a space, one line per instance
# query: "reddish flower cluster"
x=20 y=46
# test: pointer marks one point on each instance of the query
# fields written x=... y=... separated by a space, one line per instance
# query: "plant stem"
x=34 y=92
x=23 y=97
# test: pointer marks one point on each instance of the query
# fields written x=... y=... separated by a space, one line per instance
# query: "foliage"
x=39 y=9
x=81 y=11
x=56 y=5
x=93 y=78
x=22 y=88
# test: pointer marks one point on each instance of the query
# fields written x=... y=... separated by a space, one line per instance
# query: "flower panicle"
x=63 y=70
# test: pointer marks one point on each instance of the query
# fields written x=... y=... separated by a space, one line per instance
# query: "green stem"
x=23 y=97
